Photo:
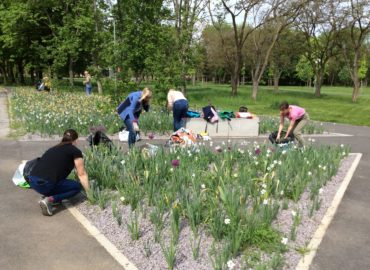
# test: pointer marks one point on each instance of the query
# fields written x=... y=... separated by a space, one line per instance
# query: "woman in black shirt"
x=49 y=175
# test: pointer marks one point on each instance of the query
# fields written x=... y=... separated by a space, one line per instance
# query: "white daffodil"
x=256 y=163
x=122 y=199
x=263 y=191
x=230 y=265
x=321 y=191
x=284 y=241
x=279 y=162
x=309 y=173
x=264 y=186
x=203 y=186
x=123 y=162
x=227 y=221
x=235 y=175
x=265 y=202
x=294 y=213
x=284 y=152
x=342 y=145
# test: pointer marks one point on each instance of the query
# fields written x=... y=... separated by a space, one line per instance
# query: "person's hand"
x=278 y=137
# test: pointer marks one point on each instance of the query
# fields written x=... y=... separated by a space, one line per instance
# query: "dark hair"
x=69 y=136
x=284 y=105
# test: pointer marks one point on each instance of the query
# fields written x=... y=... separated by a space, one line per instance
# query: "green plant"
x=169 y=252
x=116 y=212
x=134 y=225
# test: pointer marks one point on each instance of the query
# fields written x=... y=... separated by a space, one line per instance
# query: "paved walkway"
x=29 y=240
x=32 y=241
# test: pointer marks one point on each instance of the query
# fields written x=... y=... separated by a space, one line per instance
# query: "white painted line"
x=112 y=249
x=305 y=262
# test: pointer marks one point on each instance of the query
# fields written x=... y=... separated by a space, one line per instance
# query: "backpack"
x=207 y=113
x=227 y=115
x=243 y=109
x=192 y=114
x=273 y=136
x=99 y=138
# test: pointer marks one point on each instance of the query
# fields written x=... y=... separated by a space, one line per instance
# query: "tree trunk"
x=234 y=85
x=356 y=87
x=3 y=73
x=243 y=79
x=95 y=54
x=70 y=72
x=276 y=81
x=20 y=72
x=193 y=80
x=32 y=74
x=11 y=73
x=255 y=88
x=318 y=83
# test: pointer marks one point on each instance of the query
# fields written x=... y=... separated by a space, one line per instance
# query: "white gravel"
x=135 y=251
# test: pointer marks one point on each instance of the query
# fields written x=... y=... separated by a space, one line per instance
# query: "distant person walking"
x=298 y=119
x=130 y=109
x=49 y=175
x=87 y=83
x=179 y=105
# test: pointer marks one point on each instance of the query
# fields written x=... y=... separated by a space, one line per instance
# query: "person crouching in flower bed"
x=49 y=175
x=298 y=119
x=130 y=109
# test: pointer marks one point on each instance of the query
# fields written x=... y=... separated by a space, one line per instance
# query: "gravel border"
x=135 y=251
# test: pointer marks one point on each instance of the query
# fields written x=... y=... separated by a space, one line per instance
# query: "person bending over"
x=49 y=175
x=130 y=110
x=179 y=105
x=298 y=119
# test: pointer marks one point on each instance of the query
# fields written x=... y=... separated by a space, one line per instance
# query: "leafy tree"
x=304 y=70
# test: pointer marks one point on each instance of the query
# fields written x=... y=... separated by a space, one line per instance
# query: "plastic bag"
x=18 y=178
x=123 y=136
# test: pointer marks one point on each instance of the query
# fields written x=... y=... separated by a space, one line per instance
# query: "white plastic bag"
x=18 y=178
x=123 y=136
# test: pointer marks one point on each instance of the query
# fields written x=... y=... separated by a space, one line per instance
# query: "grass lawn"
x=335 y=105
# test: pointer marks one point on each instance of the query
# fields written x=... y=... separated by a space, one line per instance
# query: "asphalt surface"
x=29 y=240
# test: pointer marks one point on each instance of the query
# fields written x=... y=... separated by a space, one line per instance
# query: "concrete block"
x=237 y=127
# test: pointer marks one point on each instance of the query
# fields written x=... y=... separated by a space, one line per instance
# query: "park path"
x=29 y=240
x=4 y=117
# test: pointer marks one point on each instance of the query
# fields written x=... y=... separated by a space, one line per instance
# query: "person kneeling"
x=49 y=175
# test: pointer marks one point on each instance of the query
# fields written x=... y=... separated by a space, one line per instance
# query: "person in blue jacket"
x=130 y=109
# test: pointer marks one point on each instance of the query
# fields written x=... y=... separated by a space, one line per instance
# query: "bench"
x=236 y=128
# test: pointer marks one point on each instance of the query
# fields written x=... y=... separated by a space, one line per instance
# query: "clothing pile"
x=183 y=137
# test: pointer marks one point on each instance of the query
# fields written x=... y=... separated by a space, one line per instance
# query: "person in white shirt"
x=179 y=105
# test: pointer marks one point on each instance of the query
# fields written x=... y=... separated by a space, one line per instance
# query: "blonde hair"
x=146 y=93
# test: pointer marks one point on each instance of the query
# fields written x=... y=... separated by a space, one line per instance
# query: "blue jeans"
x=130 y=128
x=60 y=190
x=180 y=108
x=88 y=89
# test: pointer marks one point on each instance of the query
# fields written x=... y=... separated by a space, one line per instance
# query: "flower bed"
x=208 y=207
x=51 y=114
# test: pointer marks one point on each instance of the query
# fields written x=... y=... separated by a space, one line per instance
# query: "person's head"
x=86 y=72
x=284 y=107
x=146 y=95
x=70 y=136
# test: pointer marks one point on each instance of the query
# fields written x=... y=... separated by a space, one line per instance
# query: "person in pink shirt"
x=298 y=119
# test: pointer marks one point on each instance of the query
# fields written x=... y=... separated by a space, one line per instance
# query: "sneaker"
x=53 y=203
x=46 y=207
